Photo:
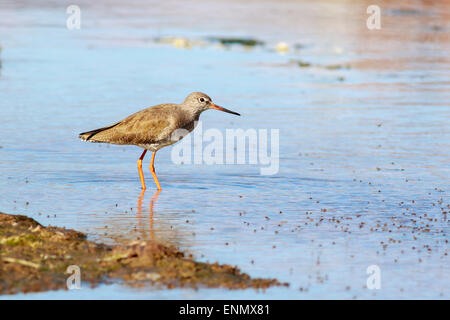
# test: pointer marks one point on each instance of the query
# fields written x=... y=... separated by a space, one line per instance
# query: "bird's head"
x=200 y=102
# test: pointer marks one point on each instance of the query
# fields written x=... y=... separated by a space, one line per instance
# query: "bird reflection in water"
x=139 y=214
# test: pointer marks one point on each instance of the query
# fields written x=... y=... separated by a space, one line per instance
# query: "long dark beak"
x=213 y=106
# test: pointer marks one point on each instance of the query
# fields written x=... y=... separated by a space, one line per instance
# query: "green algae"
x=247 y=42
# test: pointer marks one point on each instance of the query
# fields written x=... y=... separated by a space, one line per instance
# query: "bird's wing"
x=145 y=127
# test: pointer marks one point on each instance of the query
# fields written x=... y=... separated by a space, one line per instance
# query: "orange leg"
x=139 y=165
x=152 y=170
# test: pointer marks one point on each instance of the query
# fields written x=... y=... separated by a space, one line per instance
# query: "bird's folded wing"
x=142 y=128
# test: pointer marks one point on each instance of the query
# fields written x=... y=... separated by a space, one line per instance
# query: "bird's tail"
x=89 y=135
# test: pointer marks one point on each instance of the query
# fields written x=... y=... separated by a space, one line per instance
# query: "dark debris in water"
x=248 y=42
x=305 y=64
x=185 y=43
x=35 y=258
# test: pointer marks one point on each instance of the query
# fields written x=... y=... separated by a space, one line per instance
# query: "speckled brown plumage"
x=150 y=128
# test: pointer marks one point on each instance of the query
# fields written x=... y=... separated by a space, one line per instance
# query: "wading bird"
x=155 y=127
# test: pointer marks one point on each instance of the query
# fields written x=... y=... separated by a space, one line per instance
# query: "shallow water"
x=363 y=151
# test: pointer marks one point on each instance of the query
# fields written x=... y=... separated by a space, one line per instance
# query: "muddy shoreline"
x=34 y=258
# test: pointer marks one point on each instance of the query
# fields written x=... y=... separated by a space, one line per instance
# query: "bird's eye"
x=202 y=99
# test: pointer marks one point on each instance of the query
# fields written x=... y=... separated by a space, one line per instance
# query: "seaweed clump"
x=36 y=258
